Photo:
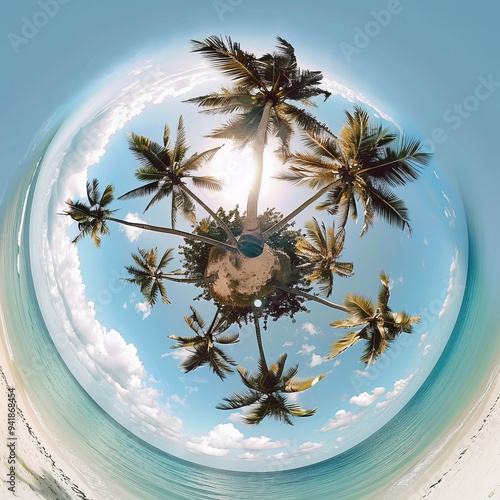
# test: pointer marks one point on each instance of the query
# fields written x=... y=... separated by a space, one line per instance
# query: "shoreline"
x=41 y=469
x=468 y=465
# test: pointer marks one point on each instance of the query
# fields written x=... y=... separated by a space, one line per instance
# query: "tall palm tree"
x=92 y=218
x=164 y=169
x=201 y=345
x=259 y=100
x=149 y=274
x=322 y=248
x=380 y=326
x=267 y=390
x=362 y=163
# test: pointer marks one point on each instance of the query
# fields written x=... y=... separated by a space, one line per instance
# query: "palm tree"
x=164 y=169
x=260 y=103
x=361 y=163
x=92 y=218
x=381 y=326
x=267 y=390
x=322 y=248
x=201 y=345
x=149 y=274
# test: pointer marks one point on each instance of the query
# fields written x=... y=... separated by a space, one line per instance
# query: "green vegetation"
x=255 y=266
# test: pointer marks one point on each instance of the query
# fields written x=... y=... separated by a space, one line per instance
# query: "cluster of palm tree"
x=362 y=164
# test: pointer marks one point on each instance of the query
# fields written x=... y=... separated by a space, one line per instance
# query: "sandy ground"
x=466 y=468
x=38 y=462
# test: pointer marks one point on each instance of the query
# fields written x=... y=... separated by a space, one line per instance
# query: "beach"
x=41 y=470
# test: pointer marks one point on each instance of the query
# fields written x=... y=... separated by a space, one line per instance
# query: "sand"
x=40 y=468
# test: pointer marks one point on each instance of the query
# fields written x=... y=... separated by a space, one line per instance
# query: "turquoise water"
x=130 y=468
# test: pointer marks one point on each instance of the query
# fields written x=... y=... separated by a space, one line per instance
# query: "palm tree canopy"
x=362 y=163
x=266 y=393
x=201 y=345
x=92 y=217
x=380 y=326
x=322 y=248
x=149 y=274
x=273 y=77
x=163 y=168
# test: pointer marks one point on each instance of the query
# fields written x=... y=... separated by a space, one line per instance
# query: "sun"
x=235 y=170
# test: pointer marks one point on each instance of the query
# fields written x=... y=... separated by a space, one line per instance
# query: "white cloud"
x=278 y=456
x=399 y=387
x=225 y=437
x=236 y=417
x=362 y=373
x=125 y=305
x=309 y=447
x=426 y=349
x=248 y=457
x=423 y=337
x=132 y=233
x=451 y=285
x=339 y=440
x=341 y=420
x=366 y=399
x=426 y=242
x=311 y=329
x=317 y=360
x=144 y=308
x=287 y=344
x=177 y=399
x=306 y=349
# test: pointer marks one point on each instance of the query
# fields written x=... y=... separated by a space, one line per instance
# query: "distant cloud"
x=278 y=456
x=132 y=233
x=248 y=457
x=362 y=373
x=423 y=337
x=144 y=308
x=306 y=349
x=426 y=349
x=366 y=399
x=451 y=285
x=309 y=447
x=287 y=344
x=236 y=417
x=225 y=437
x=311 y=329
x=341 y=420
x=399 y=387
x=426 y=242
x=177 y=399
x=317 y=360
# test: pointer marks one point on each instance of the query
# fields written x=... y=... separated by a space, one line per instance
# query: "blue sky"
x=119 y=349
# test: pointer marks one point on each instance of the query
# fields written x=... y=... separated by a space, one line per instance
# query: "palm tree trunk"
x=189 y=236
x=221 y=223
x=252 y=223
x=188 y=280
x=308 y=296
x=267 y=234
x=259 y=341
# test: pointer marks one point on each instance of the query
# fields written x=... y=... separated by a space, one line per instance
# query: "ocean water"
x=127 y=467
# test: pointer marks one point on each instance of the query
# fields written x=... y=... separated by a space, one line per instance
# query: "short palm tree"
x=164 y=170
x=381 y=326
x=92 y=217
x=202 y=345
x=322 y=248
x=149 y=274
x=260 y=103
x=267 y=390
x=361 y=163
